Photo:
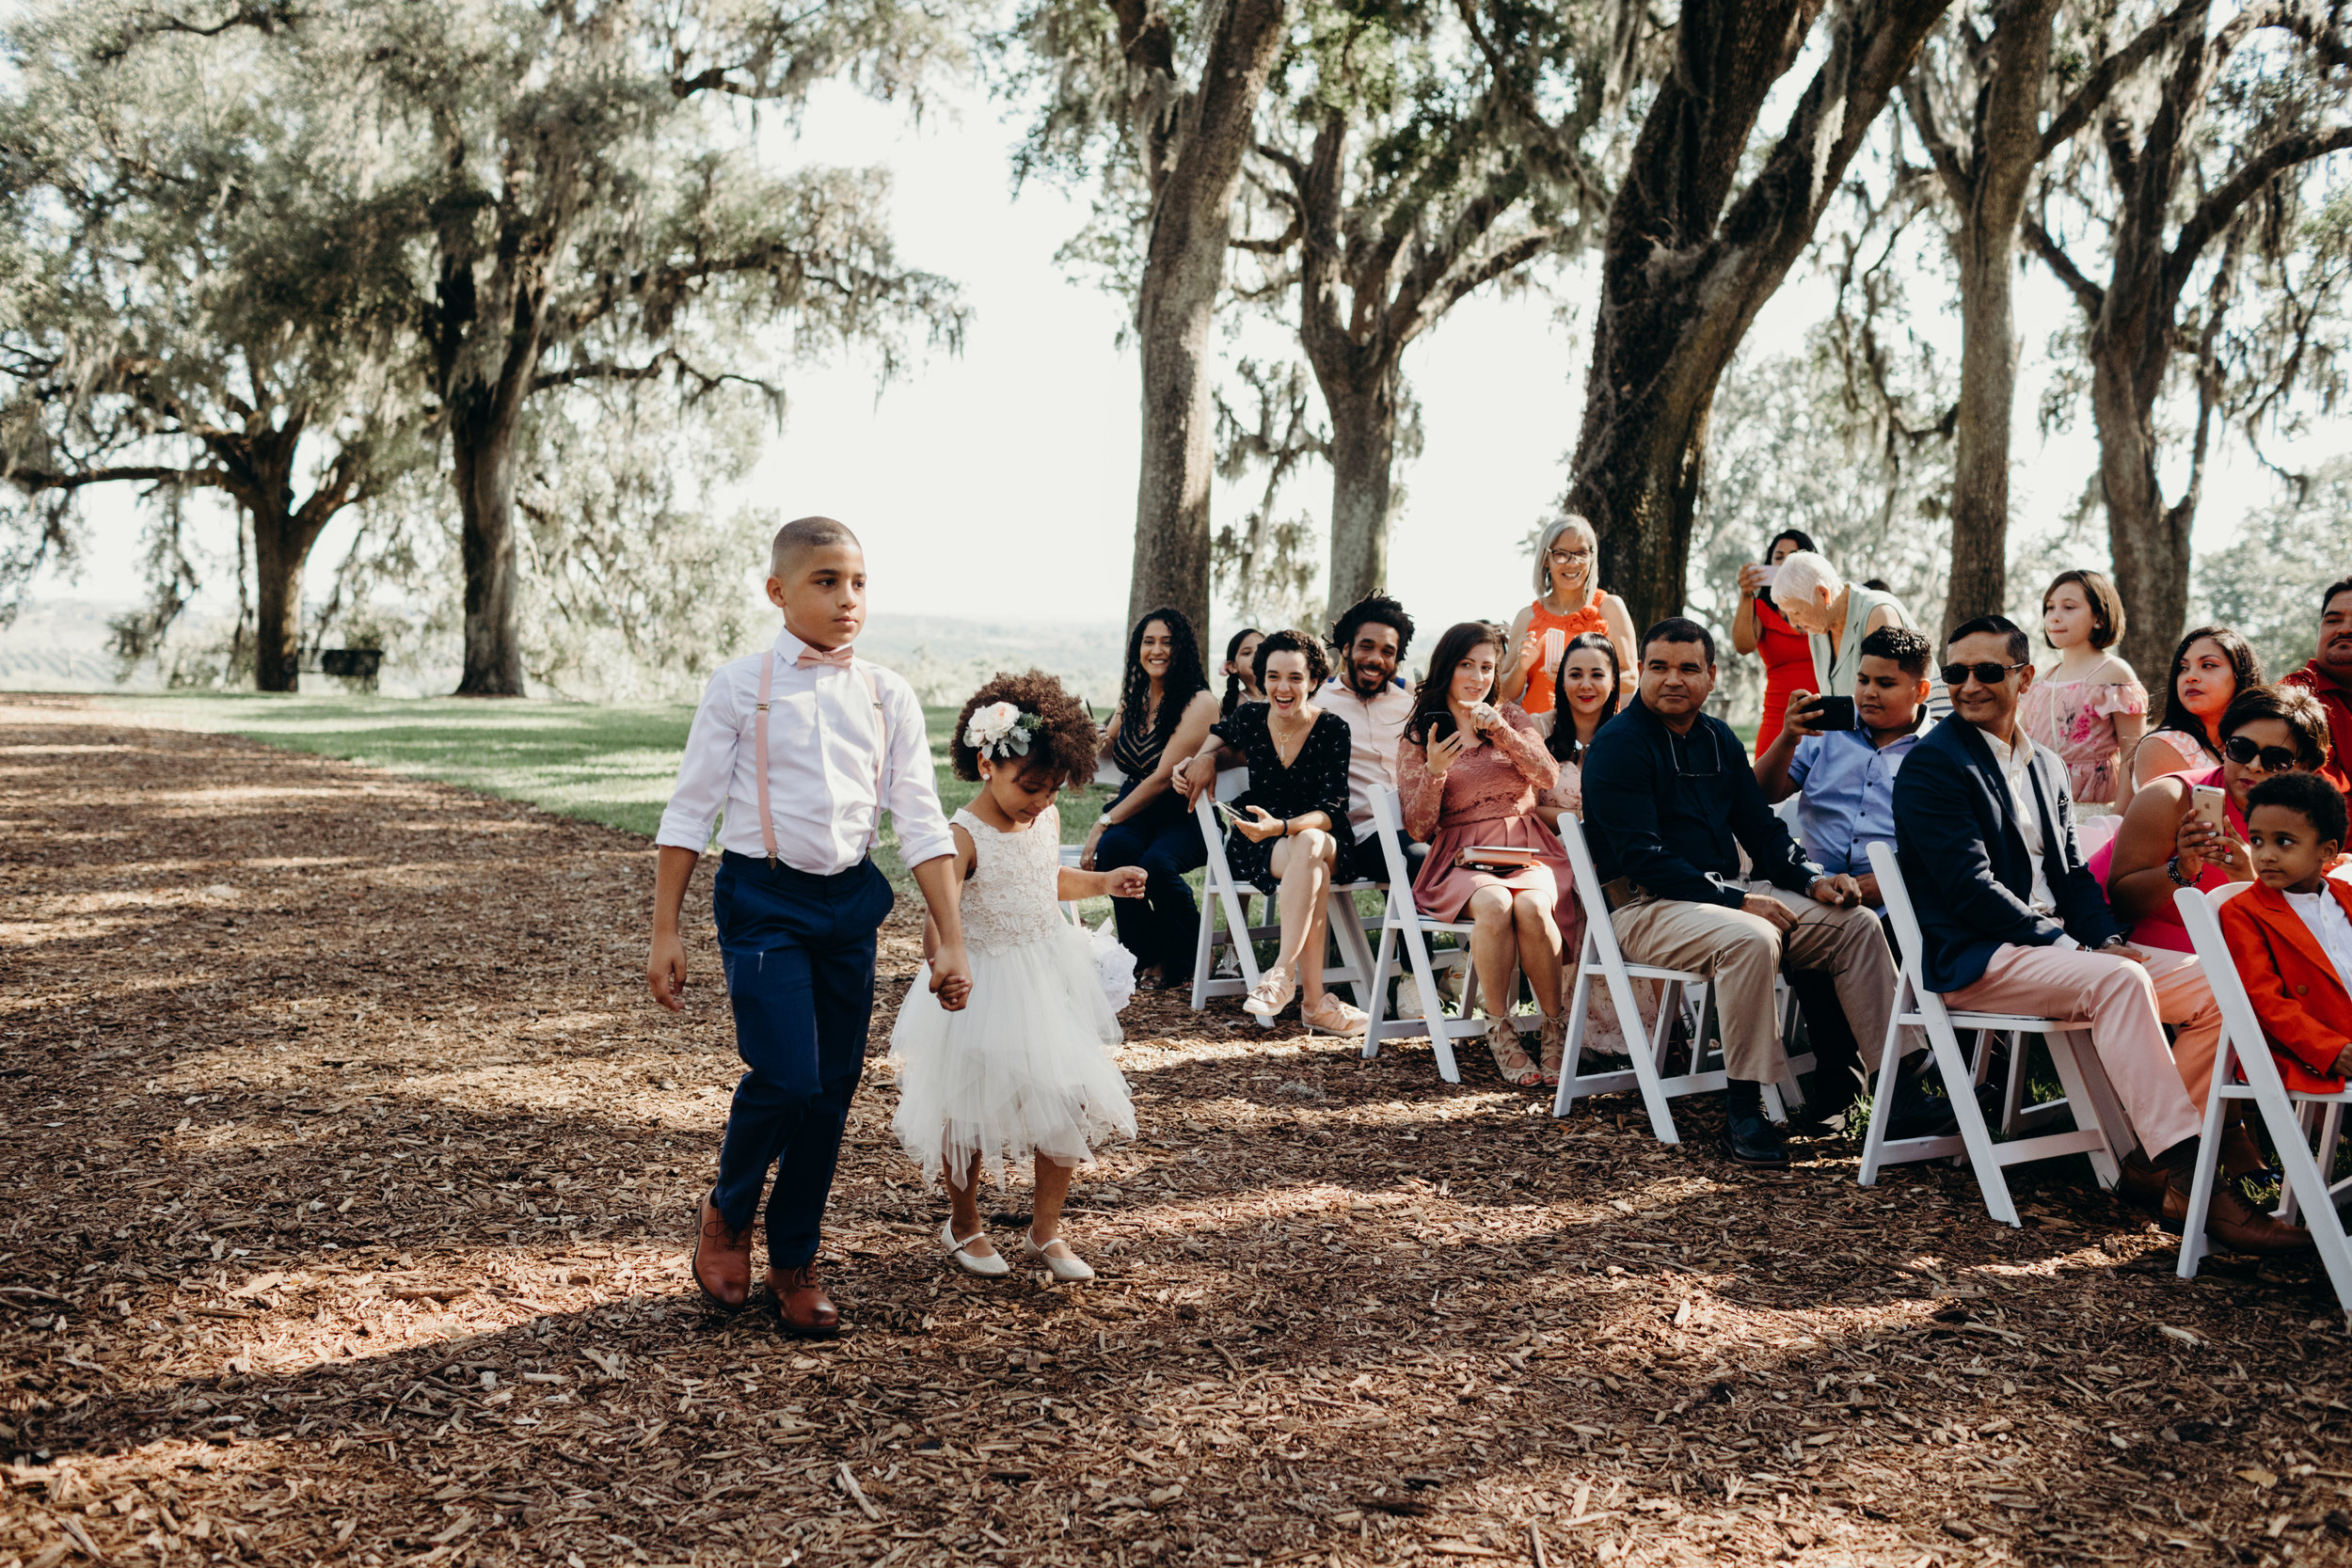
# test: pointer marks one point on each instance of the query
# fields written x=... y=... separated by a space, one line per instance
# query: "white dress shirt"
x=2016 y=763
x=2326 y=919
x=1373 y=729
x=821 y=767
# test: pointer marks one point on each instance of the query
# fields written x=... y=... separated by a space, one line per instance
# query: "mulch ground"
x=353 y=1175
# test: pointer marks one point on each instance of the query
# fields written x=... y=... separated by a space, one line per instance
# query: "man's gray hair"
x=800 y=535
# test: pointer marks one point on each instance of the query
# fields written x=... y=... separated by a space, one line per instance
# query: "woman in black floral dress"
x=1293 y=828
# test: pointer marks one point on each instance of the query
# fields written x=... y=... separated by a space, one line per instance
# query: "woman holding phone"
x=1568 y=604
x=2188 y=830
x=1469 y=773
x=1288 y=831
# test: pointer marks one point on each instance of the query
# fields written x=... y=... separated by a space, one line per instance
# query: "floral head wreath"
x=1000 y=731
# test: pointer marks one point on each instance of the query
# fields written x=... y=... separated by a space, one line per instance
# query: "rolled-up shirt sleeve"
x=909 y=784
x=707 y=772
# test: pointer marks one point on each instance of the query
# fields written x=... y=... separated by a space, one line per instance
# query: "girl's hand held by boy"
x=951 y=976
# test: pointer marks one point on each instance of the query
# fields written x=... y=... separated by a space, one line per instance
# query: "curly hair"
x=1186 y=676
x=1066 y=745
x=1374 y=609
x=1289 y=642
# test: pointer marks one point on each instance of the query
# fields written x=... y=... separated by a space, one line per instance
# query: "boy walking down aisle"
x=803 y=746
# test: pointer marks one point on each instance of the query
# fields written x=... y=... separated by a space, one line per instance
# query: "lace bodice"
x=1009 y=901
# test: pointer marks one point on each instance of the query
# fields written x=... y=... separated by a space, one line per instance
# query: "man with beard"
x=2328 y=677
x=1370 y=641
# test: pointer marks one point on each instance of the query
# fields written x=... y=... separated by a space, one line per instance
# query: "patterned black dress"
x=1317 y=780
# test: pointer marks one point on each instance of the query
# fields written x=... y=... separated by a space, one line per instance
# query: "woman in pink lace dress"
x=2089 y=708
x=1467 y=775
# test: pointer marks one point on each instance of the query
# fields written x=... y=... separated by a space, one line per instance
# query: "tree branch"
x=2217 y=210
x=2076 y=111
x=1941 y=151
x=2086 y=294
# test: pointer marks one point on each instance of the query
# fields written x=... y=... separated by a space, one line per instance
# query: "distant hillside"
x=947 y=657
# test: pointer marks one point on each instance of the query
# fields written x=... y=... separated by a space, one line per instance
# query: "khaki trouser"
x=1740 y=953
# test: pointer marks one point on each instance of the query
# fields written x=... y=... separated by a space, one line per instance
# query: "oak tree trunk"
x=1990 y=192
x=278 y=553
x=483 y=457
x=2146 y=540
x=1184 y=271
x=1364 y=457
x=1685 y=267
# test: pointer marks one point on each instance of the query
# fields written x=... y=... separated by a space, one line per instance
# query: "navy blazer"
x=1966 y=866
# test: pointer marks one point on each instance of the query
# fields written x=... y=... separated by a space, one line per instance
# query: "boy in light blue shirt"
x=1847 y=777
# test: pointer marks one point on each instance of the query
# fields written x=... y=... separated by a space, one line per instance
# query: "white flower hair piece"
x=1001 y=730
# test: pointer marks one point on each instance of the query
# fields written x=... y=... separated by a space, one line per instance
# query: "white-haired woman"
x=1835 y=613
x=1569 y=603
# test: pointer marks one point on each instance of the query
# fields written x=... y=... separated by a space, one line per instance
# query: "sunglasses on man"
x=1987 y=673
x=2270 y=759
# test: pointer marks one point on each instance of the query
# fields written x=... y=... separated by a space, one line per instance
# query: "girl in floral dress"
x=2088 y=707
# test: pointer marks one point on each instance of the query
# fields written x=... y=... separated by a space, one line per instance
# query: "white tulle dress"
x=1021 y=1070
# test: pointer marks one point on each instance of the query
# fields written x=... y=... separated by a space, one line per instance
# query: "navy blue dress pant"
x=1164 y=839
x=798 y=951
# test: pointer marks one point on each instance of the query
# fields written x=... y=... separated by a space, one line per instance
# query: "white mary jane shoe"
x=1070 y=1270
x=991 y=1267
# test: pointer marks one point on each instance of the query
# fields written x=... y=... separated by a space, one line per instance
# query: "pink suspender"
x=759 y=741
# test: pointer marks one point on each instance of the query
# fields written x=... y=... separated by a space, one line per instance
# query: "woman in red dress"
x=1759 y=626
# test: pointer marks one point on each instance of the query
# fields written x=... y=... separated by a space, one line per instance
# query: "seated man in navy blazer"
x=2013 y=920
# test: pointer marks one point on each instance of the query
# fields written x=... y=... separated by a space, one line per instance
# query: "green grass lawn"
x=609 y=765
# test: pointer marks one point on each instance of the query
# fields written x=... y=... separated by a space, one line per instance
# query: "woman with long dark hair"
x=2212 y=665
x=1470 y=774
x=1164 y=710
x=1587 y=682
x=1760 y=627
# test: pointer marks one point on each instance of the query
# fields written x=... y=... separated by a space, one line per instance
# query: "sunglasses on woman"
x=2270 y=759
x=1987 y=673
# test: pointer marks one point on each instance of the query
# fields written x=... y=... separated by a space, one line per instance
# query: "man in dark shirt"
x=1669 y=802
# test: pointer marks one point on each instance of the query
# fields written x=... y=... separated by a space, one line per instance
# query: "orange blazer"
x=2295 y=991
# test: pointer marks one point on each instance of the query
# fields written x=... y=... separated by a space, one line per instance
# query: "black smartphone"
x=1441 y=726
x=1831 y=713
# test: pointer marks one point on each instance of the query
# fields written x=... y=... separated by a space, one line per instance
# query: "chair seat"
x=2002 y=1022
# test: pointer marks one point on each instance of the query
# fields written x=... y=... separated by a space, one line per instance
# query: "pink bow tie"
x=812 y=658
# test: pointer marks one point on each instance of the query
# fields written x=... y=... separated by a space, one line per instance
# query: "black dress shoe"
x=1918 y=1114
x=1752 y=1140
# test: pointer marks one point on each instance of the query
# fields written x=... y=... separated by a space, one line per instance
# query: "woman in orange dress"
x=1760 y=627
x=1567 y=605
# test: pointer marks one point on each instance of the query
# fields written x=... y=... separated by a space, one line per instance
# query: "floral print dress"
x=2076 y=720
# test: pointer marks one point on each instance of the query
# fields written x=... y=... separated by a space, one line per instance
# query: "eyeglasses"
x=1987 y=673
x=1568 y=558
x=2270 y=759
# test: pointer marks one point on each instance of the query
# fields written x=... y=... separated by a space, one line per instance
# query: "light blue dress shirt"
x=1846 y=795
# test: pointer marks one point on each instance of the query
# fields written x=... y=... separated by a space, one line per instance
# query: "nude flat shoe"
x=1271 y=995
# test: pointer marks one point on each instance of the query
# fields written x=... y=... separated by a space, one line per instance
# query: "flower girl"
x=1021 y=1071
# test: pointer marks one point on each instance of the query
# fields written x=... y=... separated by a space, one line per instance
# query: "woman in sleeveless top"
x=2212 y=665
x=1567 y=605
x=1164 y=710
x=1835 y=614
x=1760 y=627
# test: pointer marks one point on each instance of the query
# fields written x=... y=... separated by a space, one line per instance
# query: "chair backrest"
x=1599 y=932
x=2094 y=832
x=1213 y=836
x=1231 y=782
x=1908 y=938
x=2242 y=1028
x=1388 y=820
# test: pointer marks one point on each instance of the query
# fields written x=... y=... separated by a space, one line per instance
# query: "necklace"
x=1284 y=741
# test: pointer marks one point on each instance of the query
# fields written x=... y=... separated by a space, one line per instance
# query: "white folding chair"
x=1221 y=894
x=1684 y=993
x=1402 y=924
x=2243 y=1050
x=2099 y=1131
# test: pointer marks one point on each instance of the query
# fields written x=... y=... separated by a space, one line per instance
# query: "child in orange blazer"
x=2291 y=933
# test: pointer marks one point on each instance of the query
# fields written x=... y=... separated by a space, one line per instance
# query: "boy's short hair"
x=1679 y=629
x=2307 y=794
x=1901 y=645
x=800 y=535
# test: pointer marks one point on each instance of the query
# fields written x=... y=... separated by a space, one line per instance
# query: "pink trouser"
x=2127 y=1004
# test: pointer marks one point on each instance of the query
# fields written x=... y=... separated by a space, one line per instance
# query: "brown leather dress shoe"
x=2140 y=1184
x=801 y=1307
x=2233 y=1225
x=723 y=1259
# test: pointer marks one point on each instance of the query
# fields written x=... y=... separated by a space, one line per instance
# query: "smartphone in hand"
x=2211 y=807
x=1831 y=713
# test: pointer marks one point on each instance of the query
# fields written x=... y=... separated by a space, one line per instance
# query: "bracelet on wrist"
x=2173 y=869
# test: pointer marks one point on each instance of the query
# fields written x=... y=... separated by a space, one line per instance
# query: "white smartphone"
x=1769 y=573
x=2211 y=807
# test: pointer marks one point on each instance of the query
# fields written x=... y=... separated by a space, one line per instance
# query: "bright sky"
x=1001 y=483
